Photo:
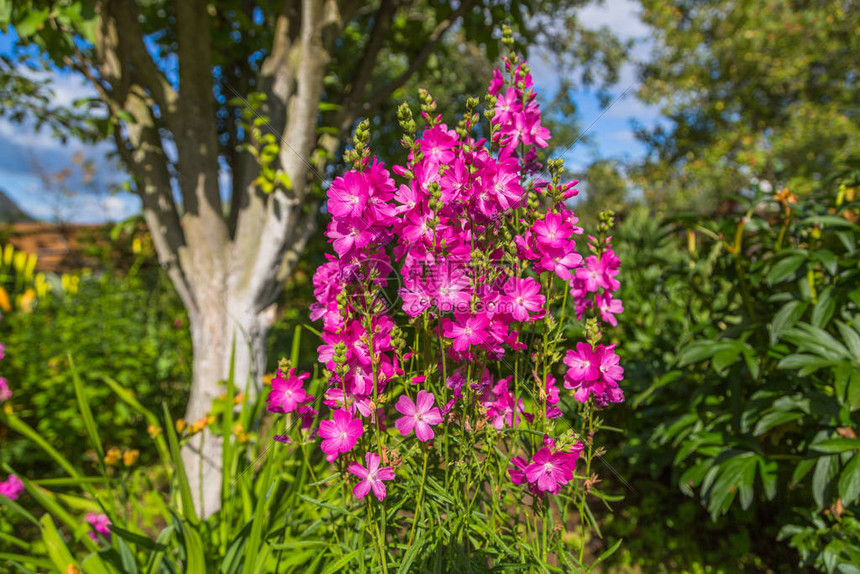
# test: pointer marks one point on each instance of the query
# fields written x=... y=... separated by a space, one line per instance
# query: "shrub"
x=742 y=358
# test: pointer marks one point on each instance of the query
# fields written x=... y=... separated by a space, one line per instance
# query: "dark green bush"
x=743 y=383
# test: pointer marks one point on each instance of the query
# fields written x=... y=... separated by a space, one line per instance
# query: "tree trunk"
x=214 y=331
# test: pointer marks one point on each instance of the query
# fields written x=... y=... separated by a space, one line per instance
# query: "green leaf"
x=828 y=260
x=252 y=547
x=86 y=413
x=804 y=364
x=129 y=565
x=851 y=338
x=826 y=220
x=849 y=482
x=156 y=558
x=181 y=476
x=802 y=469
x=785 y=267
x=768 y=472
x=340 y=563
x=822 y=479
x=785 y=318
x=134 y=538
x=59 y=553
x=32 y=22
x=836 y=445
x=194 y=555
x=775 y=419
x=42 y=563
x=609 y=551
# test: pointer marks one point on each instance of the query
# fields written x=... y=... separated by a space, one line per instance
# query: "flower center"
x=548 y=467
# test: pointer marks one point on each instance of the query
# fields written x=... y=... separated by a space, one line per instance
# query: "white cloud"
x=620 y=16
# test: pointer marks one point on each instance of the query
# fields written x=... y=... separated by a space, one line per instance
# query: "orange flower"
x=180 y=425
x=130 y=457
x=199 y=425
x=153 y=430
x=112 y=456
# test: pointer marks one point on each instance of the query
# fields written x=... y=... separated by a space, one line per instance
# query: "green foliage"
x=130 y=328
x=742 y=359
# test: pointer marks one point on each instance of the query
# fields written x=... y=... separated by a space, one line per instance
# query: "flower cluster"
x=483 y=249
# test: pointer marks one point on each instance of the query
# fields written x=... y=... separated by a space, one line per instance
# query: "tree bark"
x=214 y=332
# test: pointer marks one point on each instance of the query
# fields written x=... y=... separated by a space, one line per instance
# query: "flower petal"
x=424 y=401
x=405 y=406
x=361 y=489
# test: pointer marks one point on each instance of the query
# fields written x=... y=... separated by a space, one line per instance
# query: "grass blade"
x=182 y=478
x=86 y=413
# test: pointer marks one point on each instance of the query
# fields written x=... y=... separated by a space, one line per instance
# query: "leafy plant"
x=750 y=339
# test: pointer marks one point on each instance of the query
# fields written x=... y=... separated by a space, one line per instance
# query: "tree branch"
x=381 y=24
x=143 y=154
x=430 y=45
x=144 y=71
x=196 y=140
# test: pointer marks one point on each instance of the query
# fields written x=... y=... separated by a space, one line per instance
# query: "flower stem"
x=418 y=504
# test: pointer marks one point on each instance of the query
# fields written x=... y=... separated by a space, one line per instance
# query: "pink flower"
x=497 y=83
x=12 y=487
x=553 y=231
x=608 y=307
x=419 y=415
x=99 y=523
x=286 y=394
x=371 y=476
x=598 y=273
x=550 y=471
x=523 y=296
x=348 y=195
x=583 y=364
x=518 y=473
x=466 y=331
x=560 y=261
x=5 y=391
x=607 y=360
x=2 y=350
x=507 y=106
x=339 y=434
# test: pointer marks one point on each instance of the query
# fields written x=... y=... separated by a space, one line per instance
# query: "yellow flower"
x=180 y=425
x=130 y=457
x=153 y=430
x=112 y=456
x=8 y=253
x=26 y=301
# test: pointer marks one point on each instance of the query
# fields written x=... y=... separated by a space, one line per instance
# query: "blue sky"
x=28 y=155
